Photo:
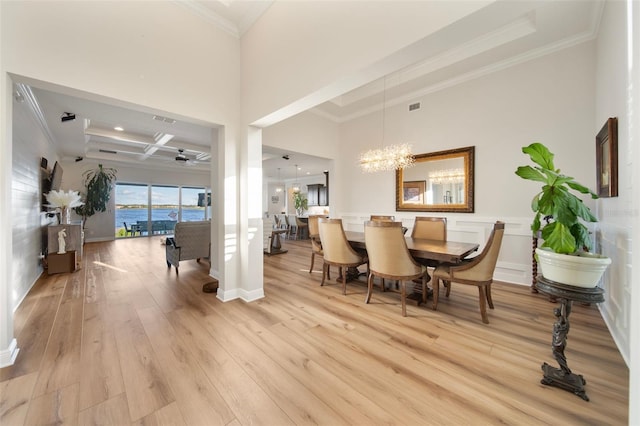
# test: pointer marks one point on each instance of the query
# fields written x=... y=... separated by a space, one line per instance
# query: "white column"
x=251 y=213
x=633 y=117
x=8 y=344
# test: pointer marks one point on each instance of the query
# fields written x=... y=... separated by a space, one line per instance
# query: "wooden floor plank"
x=126 y=340
x=198 y=400
x=145 y=384
x=110 y=412
x=59 y=407
x=248 y=401
x=15 y=397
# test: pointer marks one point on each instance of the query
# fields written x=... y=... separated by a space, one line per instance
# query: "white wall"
x=306 y=132
x=29 y=146
x=548 y=100
x=617 y=81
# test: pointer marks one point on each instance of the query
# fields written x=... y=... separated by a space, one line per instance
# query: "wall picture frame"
x=607 y=159
x=413 y=191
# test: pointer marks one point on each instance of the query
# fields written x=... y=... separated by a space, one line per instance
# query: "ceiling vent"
x=108 y=151
x=164 y=119
x=413 y=107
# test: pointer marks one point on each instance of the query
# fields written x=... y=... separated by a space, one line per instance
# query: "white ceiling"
x=511 y=32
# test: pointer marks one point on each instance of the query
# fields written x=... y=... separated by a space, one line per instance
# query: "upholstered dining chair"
x=290 y=224
x=316 y=243
x=300 y=228
x=389 y=258
x=477 y=271
x=382 y=217
x=337 y=251
x=431 y=228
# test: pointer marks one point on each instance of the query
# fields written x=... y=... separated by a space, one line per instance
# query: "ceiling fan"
x=182 y=158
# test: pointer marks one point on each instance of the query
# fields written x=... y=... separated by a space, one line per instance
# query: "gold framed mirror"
x=439 y=182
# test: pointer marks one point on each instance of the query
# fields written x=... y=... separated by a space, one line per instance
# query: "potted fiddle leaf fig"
x=560 y=217
x=98 y=185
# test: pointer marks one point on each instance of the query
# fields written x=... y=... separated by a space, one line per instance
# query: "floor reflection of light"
x=110 y=267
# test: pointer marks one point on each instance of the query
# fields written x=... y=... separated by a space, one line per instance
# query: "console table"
x=74 y=240
x=565 y=294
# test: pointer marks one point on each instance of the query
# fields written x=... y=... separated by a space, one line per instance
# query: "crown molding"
x=35 y=109
x=210 y=16
x=472 y=75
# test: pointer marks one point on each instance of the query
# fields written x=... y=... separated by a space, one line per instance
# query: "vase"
x=580 y=270
x=65 y=216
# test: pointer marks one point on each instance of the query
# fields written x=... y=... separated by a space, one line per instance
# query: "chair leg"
x=483 y=304
x=489 y=298
x=403 y=296
x=424 y=289
x=436 y=290
x=313 y=256
x=324 y=271
x=369 y=288
x=447 y=284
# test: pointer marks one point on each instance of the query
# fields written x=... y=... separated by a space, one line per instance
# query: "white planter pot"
x=580 y=270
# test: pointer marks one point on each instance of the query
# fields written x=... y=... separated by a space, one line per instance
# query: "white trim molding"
x=8 y=355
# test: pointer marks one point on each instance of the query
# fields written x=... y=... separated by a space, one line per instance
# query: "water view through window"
x=153 y=209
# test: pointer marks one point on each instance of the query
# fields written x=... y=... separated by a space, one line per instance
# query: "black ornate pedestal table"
x=565 y=294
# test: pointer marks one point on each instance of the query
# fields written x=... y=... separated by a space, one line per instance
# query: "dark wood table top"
x=442 y=251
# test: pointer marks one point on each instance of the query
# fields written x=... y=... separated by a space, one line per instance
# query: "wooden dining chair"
x=301 y=225
x=430 y=228
x=382 y=218
x=477 y=271
x=389 y=258
x=290 y=224
x=316 y=243
x=337 y=251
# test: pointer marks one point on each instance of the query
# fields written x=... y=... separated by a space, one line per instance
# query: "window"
x=143 y=209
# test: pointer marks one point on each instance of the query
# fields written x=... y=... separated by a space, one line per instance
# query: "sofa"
x=191 y=240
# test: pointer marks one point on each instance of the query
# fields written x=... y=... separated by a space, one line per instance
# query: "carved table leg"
x=534 y=265
x=562 y=377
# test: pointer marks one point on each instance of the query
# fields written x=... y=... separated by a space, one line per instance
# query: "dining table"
x=423 y=249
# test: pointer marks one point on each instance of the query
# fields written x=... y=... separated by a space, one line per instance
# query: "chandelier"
x=447 y=176
x=296 y=184
x=390 y=157
x=278 y=187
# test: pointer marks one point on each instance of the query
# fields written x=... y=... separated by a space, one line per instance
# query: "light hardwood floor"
x=124 y=341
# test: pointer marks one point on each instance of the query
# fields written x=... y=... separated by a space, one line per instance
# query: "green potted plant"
x=98 y=185
x=300 y=203
x=559 y=219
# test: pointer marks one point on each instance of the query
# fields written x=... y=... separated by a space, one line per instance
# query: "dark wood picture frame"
x=413 y=191
x=607 y=159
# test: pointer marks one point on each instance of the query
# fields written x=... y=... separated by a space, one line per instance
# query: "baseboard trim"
x=8 y=356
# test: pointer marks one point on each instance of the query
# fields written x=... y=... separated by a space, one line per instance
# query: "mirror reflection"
x=439 y=182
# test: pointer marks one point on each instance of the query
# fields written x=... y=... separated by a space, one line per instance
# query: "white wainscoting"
x=514 y=262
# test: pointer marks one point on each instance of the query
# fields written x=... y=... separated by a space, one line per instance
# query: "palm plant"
x=98 y=185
